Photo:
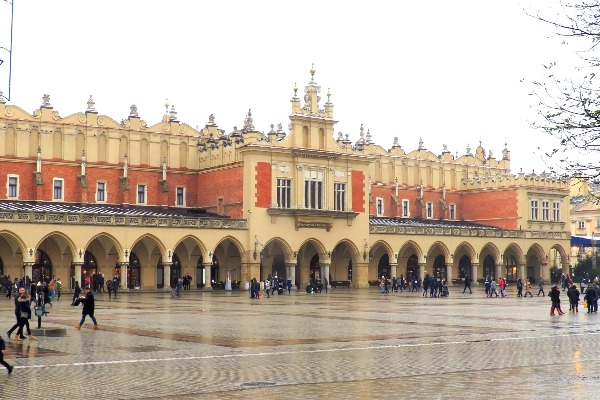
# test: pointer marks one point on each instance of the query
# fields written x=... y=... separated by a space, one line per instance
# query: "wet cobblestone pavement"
x=346 y=344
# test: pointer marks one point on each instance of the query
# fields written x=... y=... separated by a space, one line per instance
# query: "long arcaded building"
x=148 y=203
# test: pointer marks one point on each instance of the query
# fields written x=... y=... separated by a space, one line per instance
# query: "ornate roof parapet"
x=491 y=181
x=311 y=100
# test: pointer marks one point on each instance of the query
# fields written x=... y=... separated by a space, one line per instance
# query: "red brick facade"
x=358 y=191
x=497 y=208
x=263 y=185
x=222 y=186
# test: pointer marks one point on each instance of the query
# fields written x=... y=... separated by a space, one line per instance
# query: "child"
x=2 y=348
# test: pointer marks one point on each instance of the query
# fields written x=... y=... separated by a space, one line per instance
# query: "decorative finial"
x=248 y=125
x=369 y=136
x=312 y=73
x=90 y=104
x=166 y=106
x=362 y=133
x=469 y=150
x=328 y=95
x=396 y=143
x=2 y=98
x=295 y=90
x=444 y=148
x=133 y=111
x=272 y=129
x=211 y=119
x=46 y=101
x=173 y=114
x=421 y=144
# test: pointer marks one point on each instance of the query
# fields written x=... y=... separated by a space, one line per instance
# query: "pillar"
x=474 y=276
x=124 y=272
x=422 y=271
x=544 y=273
x=77 y=274
x=360 y=275
x=167 y=277
x=291 y=270
x=449 y=274
x=521 y=271
x=497 y=271
x=208 y=276
x=325 y=274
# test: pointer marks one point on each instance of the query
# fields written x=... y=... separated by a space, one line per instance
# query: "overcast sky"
x=449 y=72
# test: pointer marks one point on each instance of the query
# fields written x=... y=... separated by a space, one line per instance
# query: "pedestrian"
x=555 y=298
x=394 y=285
x=597 y=290
x=488 y=286
x=88 y=307
x=58 y=289
x=519 y=287
x=573 y=295
x=267 y=287
x=76 y=293
x=590 y=298
x=115 y=286
x=541 y=285
x=2 y=350
x=528 y=288
x=493 y=290
x=109 y=287
x=289 y=286
x=502 y=284
x=467 y=284
x=17 y=312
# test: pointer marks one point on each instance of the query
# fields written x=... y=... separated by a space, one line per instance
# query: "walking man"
x=88 y=307
x=467 y=284
x=541 y=285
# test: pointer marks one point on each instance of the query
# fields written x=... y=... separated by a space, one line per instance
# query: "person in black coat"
x=573 y=295
x=76 y=293
x=2 y=349
x=590 y=297
x=88 y=307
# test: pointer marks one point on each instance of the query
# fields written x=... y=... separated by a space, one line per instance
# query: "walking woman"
x=555 y=297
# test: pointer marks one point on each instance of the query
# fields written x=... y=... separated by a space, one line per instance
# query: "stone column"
x=474 y=274
x=208 y=275
x=124 y=268
x=167 y=277
x=521 y=271
x=422 y=271
x=325 y=274
x=393 y=270
x=77 y=273
x=544 y=273
x=360 y=275
x=291 y=268
x=497 y=271
x=449 y=274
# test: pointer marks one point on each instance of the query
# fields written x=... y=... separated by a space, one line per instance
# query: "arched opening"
x=383 y=267
x=42 y=269
x=134 y=269
x=89 y=269
x=489 y=267
x=315 y=269
x=278 y=267
x=412 y=267
x=464 y=267
x=510 y=266
x=439 y=267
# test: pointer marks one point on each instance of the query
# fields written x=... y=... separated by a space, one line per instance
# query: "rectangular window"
x=581 y=224
x=534 y=209
x=13 y=187
x=405 y=208
x=545 y=210
x=556 y=210
x=141 y=194
x=379 y=206
x=100 y=192
x=452 y=211
x=180 y=196
x=57 y=185
x=429 y=208
x=313 y=189
x=284 y=193
x=339 y=196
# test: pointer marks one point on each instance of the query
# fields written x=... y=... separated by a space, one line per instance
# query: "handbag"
x=24 y=314
x=585 y=304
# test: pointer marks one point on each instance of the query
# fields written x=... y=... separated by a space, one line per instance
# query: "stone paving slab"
x=346 y=344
